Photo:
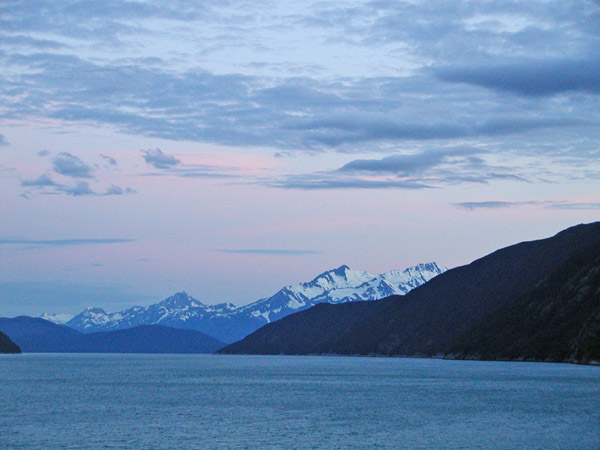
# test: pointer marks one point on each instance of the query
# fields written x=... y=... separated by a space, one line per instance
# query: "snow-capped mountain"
x=228 y=322
x=57 y=318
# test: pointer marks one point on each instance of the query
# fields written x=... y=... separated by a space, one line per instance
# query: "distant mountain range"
x=536 y=300
x=39 y=335
x=8 y=346
x=228 y=322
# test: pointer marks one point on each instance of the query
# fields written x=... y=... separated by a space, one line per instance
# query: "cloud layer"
x=482 y=71
x=420 y=170
x=269 y=251
x=62 y=242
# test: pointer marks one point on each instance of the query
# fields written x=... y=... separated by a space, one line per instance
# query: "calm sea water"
x=147 y=402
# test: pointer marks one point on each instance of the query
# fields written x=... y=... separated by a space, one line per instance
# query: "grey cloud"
x=548 y=204
x=158 y=159
x=493 y=204
x=62 y=242
x=81 y=188
x=469 y=31
x=421 y=170
x=358 y=128
x=30 y=42
x=196 y=174
x=315 y=182
x=531 y=77
x=575 y=205
x=3 y=140
x=117 y=190
x=269 y=251
x=344 y=113
x=71 y=166
x=102 y=22
x=41 y=181
x=299 y=113
x=410 y=165
x=114 y=190
x=109 y=159
x=43 y=153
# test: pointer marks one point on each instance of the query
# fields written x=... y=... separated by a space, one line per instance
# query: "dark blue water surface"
x=180 y=402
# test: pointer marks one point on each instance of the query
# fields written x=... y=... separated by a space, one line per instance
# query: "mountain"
x=38 y=335
x=8 y=346
x=429 y=319
x=228 y=322
x=558 y=320
x=57 y=318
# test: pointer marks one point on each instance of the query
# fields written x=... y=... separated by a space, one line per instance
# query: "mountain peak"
x=180 y=300
x=339 y=272
x=94 y=310
x=57 y=318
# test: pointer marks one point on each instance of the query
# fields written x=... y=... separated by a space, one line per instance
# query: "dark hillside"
x=559 y=320
x=8 y=346
x=42 y=336
x=304 y=332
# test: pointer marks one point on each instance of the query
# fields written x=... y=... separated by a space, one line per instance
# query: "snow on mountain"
x=57 y=318
x=228 y=322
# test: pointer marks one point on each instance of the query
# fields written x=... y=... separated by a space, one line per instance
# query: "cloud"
x=62 y=242
x=269 y=251
x=195 y=171
x=158 y=159
x=299 y=113
x=327 y=181
x=575 y=205
x=116 y=190
x=493 y=204
x=81 y=188
x=3 y=140
x=426 y=64
x=420 y=170
x=547 y=204
x=70 y=165
x=109 y=159
x=21 y=40
x=410 y=165
x=530 y=77
x=43 y=153
x=41 y=181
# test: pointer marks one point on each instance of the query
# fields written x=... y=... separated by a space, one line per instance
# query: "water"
x=181 y=402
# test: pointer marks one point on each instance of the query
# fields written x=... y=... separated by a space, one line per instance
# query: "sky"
x=230 y=148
